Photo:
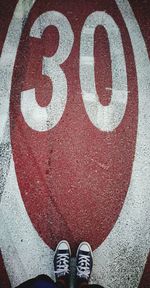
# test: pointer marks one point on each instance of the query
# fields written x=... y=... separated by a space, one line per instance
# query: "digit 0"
x=105 y=118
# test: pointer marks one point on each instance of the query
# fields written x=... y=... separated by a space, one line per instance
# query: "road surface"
x=74 y=137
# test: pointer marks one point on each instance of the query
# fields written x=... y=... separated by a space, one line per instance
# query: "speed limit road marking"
x=50 y=189
x=106 y=118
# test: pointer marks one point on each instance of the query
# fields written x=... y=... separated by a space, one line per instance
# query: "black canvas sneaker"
x=84 y=264
x=62 y=263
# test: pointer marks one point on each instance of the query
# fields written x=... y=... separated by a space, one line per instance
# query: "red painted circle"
x=74 y=178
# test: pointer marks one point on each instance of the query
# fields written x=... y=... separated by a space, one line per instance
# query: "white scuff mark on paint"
x=102 y=165
x=112 y=89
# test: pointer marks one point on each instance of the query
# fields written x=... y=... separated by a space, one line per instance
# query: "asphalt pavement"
x=74 y=137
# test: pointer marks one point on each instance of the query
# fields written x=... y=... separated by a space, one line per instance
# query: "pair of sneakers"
x=84 y=263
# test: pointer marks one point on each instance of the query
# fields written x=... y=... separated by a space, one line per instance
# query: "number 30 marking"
x=105 y=118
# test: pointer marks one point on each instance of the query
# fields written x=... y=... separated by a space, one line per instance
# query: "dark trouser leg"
x=62 y=282
x=41 y=281
x=95 y=286
x=86 y=285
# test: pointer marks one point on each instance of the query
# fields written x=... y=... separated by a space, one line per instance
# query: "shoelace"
x=62 y=264
x=83 y=268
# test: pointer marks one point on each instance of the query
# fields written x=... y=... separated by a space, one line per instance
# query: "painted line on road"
x=124 y=251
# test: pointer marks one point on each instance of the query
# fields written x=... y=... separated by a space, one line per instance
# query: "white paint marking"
x=105 y=118
x=87 y=60
x=25 y=259
x=123 y=253
x=49 y=116
x=90 y=97
x=120 y=260
x=25 y=253
x=111 y=89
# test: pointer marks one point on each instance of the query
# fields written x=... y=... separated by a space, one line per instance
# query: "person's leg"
x=84 y=264
x=41 y=281
x=85 y=285
x=62 y=264
x=61 y=267
x=93 y=286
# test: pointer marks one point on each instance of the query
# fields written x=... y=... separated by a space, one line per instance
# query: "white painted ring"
x=32 y=256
